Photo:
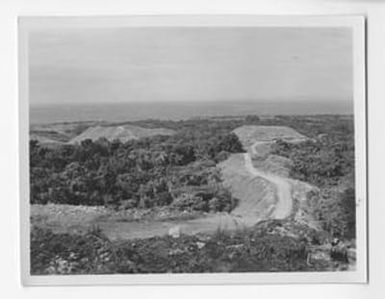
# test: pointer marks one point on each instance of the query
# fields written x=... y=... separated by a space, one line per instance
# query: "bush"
x=190 y=202
x=208 y=198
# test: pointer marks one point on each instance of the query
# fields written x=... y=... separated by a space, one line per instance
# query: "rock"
x=339 y=252
x=352 y=256
x=200 y=245
x=174 y=231
x=320 y=255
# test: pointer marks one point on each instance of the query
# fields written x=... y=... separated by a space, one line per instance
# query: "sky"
x=114 y=65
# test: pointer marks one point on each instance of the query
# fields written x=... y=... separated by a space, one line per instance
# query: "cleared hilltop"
x=122 y=133
x=73 y=133
x=248 y=135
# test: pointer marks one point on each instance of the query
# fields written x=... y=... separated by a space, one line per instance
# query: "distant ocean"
x=43 y=114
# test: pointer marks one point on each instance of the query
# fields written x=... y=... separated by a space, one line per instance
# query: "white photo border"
x=355 y=22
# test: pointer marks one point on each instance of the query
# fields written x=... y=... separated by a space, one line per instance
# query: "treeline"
x=163 y=170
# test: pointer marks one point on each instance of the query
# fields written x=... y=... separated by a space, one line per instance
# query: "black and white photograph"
x=192 y=149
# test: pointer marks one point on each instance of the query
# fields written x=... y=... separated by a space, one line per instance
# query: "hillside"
x=122 y=133
x=219 y=186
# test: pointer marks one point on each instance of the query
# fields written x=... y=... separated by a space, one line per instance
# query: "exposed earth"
x=124 y=133
x=72 y=133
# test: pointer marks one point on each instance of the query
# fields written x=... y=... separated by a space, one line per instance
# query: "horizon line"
x=264 y=101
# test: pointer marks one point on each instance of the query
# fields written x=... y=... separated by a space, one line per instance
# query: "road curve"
x=239 y=218
x=284 y=203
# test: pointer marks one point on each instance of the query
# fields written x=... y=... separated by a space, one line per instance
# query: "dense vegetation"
x=181 y=171
x=327 y=161
x=323 y=161
x=253 y=250
x=163 y=170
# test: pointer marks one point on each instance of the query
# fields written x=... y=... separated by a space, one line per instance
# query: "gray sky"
x=190 y=64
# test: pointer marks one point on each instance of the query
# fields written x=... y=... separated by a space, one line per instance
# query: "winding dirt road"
x=241 y=217
x=256 y=206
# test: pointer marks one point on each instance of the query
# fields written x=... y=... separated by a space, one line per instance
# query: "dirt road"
x=284 y=204
x=246 y=214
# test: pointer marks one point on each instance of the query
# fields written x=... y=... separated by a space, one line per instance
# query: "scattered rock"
x=174 y=231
